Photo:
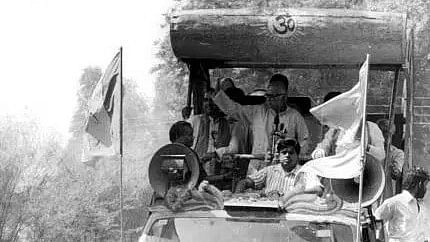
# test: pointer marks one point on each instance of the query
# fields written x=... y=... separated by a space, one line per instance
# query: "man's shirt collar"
x=292 y=172
x=406 y=196
x=287 y=109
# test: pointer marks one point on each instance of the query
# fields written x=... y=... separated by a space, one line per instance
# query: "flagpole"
x=363 y=152
x=121 y=146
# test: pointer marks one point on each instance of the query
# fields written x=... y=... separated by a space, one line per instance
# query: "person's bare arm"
x=307 y=183
x=375 y=147
x=233 y=146
x=297 y=190
x=397 y=163
x=244 y=184
x=325 y=145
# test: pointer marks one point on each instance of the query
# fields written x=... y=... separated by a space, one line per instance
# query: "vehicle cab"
x=246 y=224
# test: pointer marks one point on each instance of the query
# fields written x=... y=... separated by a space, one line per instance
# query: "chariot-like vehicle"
x=295 y=42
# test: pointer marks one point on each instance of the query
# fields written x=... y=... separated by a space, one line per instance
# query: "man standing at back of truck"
x=404 y=214
x=261 y=118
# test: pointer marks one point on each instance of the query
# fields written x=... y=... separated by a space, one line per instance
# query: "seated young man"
x=282 y=179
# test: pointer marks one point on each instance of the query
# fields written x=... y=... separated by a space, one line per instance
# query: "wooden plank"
x=289 y=36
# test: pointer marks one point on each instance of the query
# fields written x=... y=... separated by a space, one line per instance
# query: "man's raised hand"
x=318 y=153
x=210 y=93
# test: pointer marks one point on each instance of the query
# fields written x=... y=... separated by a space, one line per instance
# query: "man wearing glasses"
x=264 y=119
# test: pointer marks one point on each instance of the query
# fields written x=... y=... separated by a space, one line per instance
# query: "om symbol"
x=282 y=25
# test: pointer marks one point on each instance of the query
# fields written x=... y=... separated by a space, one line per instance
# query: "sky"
x=45 y=45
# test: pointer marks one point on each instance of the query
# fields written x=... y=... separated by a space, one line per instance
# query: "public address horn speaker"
x=373 y=184
x=173 y=164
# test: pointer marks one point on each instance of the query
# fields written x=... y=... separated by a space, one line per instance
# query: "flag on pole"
x=344 y=112
x=102 y=128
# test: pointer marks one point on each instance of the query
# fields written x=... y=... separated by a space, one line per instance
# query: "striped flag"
x=102 y=128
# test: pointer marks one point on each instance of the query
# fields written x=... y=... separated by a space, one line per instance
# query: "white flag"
x=344 y=112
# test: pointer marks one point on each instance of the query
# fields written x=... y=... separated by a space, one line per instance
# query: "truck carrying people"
x=251 y=173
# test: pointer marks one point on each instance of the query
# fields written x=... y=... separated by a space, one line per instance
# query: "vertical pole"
x=410 y=100
x=363 y=149
x=199 y=77
x=190 y=88
x=388 y=189
x=121 y=147
x=409 y=86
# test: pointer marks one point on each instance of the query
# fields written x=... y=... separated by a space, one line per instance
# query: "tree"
x=171 y=81
x=28 y=157
x=86 y=199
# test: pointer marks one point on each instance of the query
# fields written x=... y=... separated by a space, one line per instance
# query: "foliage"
x=172 y=80
x=47 y=194
x=88 y=198
x=28 y=157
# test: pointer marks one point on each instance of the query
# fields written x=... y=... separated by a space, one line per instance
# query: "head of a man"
x=226 y=83
x=210 y=108
x=289 y=150
x=416 y=182
x=181 y=132
x=384 y=125
x=277 y=91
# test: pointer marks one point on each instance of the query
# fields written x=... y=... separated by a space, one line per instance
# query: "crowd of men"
x=277 y=136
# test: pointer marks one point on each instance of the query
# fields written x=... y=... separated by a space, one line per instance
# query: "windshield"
x=225 y=229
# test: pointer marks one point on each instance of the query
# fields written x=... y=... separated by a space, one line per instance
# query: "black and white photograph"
x=215 y=121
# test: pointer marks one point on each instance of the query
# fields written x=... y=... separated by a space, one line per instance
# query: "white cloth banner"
x=344 y=165
x=344 y=112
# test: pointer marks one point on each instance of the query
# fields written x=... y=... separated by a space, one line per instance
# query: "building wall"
x=421 y=127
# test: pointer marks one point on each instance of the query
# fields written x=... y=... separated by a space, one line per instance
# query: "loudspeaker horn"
x=373 y=184
x=173 y=164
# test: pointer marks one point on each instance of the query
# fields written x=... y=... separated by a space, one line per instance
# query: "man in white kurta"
x=333 y=143
x=403 y=214
x=260 y=119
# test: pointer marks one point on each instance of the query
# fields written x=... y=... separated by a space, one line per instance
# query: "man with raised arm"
x=261 y=118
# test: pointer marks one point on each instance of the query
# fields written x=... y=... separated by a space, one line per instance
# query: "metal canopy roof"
x=289 y=38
